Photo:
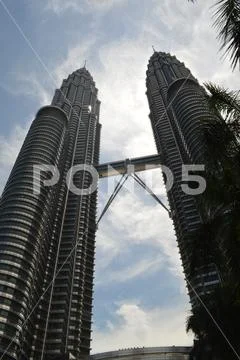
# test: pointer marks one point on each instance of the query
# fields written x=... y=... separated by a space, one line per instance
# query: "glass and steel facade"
x=47 y=239
x=177 y=107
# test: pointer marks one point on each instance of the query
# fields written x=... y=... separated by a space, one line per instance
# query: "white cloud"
x=144 y=267
x=124 y=112
x=201 y=53
x=138 y=327
x=75 y=59
x=81 y=6
x=9 y=149
x=59 y=6
x=31 y=85
x=131 y=221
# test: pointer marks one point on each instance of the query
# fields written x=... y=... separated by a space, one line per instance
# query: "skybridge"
x=129 y=166
x=126 y=168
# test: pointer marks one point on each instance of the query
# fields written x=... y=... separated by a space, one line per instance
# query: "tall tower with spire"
x=47 y=239
x=177 y=107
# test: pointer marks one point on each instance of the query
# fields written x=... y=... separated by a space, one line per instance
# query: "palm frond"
x=226 y=105
x=227 y=22
x=223 y=99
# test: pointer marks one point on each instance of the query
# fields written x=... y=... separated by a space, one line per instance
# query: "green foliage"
x=227 y=22
x=218 y=238
x=227 y=103
x=219 y=325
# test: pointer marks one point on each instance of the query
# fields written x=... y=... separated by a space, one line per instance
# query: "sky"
x=140 y=295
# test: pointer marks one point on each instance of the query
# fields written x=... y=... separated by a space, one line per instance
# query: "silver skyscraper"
x=47 y=240
x=177 y=110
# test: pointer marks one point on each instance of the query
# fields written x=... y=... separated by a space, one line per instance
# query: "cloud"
x=144 y=267
x=81 y=6
x=124 y=112
x=134 y=221
x=136 y=326
x=9 y=149
x=201 y=53
x=32 y=86
x=75 y=59
x=59 y=6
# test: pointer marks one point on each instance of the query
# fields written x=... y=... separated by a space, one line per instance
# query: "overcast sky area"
x=140 y=294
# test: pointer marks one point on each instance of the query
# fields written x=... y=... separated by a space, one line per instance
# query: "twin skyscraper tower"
x=47 y=238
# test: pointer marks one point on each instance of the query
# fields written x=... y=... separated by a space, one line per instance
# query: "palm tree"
x=224 y=174
x=227 y=23
x=219 y=236
x=217 y=328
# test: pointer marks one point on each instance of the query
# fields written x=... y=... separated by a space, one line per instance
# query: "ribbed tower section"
x=47 y=240
x=177 y=107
